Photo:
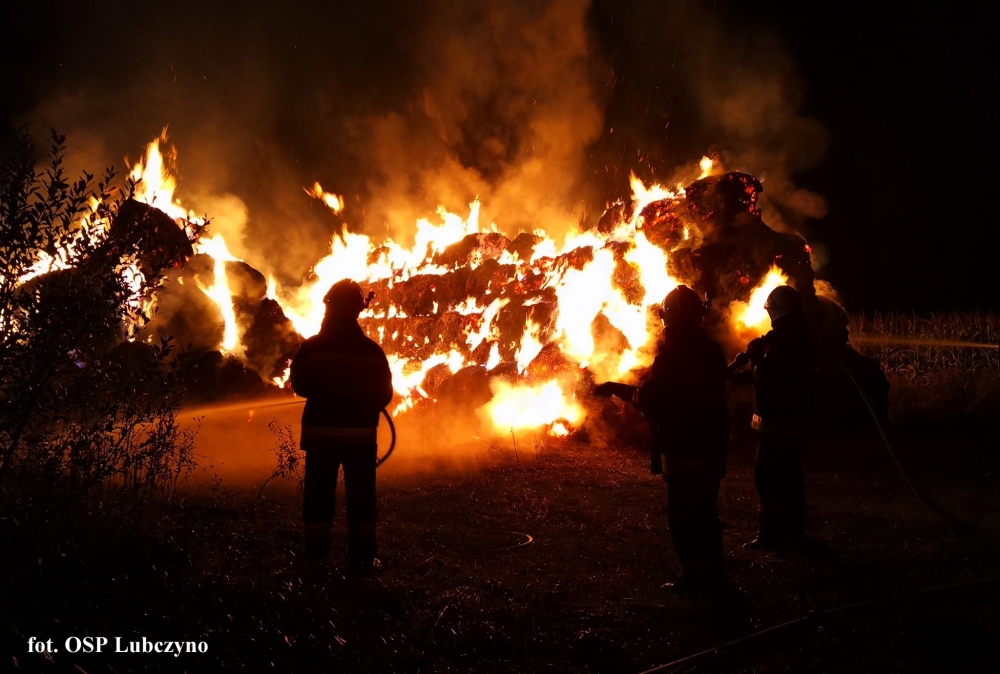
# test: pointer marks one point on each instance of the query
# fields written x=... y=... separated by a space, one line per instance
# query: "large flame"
x=219 y=293
x=583 y=294
x=153 y=178
x=585 y=290
x=333 y=201
x=525 y=407
x=751 y=317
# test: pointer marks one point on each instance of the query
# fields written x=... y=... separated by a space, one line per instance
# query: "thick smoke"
x=693 y=78
x=506 y=113
x=750 y=95
x=399 y=106
x=541 y=109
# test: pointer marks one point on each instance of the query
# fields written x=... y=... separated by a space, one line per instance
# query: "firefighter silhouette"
x=346 y=381
x=782 y=372
x=684 y=401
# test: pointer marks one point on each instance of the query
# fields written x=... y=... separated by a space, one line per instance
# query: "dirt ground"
x=463 y=589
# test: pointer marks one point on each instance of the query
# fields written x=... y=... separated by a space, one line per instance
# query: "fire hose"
x=814 y=618
x=392 y=443
x=744 y=358
x=920 y=493
x=384 y=412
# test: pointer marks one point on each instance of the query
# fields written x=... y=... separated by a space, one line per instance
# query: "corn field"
x=940 y=366
x=913 y=345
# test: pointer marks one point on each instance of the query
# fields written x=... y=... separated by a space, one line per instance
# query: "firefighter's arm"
x=300 y=377
x=613 y=388
x=735 y=372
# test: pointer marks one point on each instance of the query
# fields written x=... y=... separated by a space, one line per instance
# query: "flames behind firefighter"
x=782 y=365
x=684 y=401
x=346 y=381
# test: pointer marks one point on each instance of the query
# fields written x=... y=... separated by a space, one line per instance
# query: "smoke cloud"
x=693 y=78
x=539 y=109
x=505 y=113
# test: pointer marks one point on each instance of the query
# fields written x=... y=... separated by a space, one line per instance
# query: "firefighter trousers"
x=781 y=489
x=695 y=529
x=322 y=467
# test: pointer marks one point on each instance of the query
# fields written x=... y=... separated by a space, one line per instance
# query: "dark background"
x=907 y=94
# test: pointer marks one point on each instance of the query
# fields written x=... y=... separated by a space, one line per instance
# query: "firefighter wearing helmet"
x=346 y=381
x=684 y=401
x=781 y=370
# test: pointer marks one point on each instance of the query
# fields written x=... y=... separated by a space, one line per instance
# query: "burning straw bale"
x=160 y=242
x=730 y=248
x=523 y=245
x=270 y=340
x=185 y=312
x=488 y=306
x=488 y=246
x=716 y=241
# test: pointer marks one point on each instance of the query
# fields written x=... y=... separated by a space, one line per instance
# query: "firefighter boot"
x=362 y=548
x=770 y=536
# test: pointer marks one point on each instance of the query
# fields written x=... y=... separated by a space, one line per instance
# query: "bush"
x=86 y=411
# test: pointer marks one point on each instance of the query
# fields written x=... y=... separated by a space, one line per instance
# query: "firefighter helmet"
x=782 y=301
x=345 y=298
x=682 y=305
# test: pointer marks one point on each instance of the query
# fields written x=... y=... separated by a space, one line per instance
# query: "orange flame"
x=524 y=407
x=751 y=318
x=583 y=293
x=219 y=292
x=334 y=202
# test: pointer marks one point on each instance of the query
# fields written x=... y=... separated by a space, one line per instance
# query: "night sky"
x=910 y=94
x=888 y=111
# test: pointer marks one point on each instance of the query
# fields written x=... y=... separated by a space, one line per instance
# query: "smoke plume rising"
x=541 y=109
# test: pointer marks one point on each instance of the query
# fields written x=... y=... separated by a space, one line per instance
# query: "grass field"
x=553 y=559
x=583 y=596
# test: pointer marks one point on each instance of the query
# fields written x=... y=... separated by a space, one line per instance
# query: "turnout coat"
x=783 y=377
x=346 y=381
x=684 y=400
